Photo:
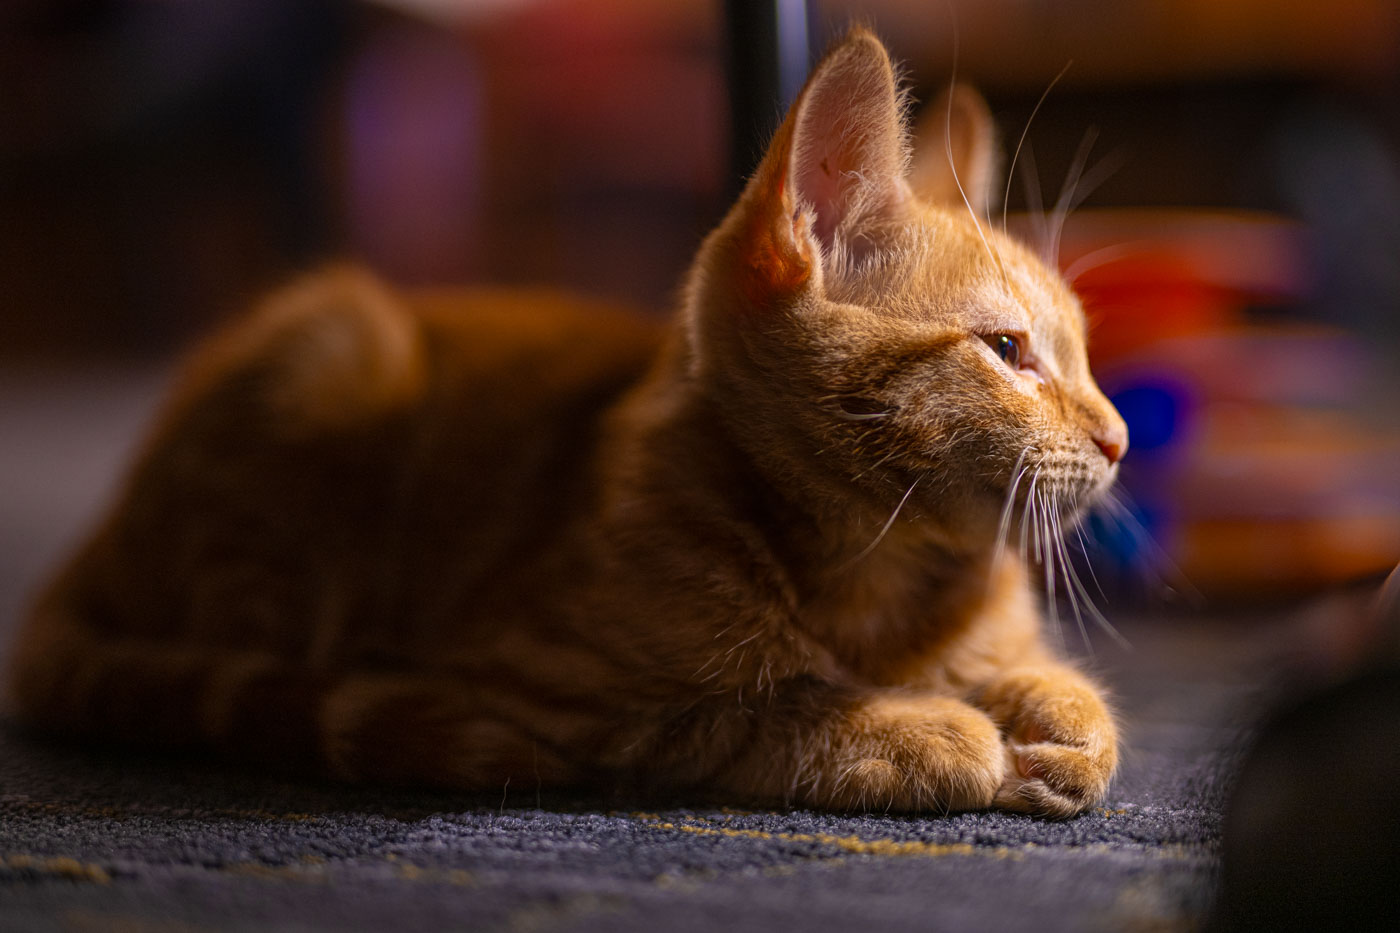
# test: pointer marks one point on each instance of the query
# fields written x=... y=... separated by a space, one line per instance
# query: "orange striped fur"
x=460 y=538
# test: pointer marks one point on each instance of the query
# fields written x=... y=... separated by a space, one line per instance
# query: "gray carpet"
x=103 y=840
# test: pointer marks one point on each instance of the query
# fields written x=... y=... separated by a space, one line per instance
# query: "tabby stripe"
x=543 y=691
x=420 y=730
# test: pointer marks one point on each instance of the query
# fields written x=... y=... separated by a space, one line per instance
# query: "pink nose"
x=1111 y=450
x=1113 y=444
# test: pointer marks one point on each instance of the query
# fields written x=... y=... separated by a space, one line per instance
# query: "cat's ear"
x=849 y=152
x=834 y=170
x=956 y=144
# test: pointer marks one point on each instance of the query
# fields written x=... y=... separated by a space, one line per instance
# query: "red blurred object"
x=1145 y=276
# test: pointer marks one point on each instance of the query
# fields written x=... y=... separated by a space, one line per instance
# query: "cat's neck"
x=869 y=593
x=876 y=604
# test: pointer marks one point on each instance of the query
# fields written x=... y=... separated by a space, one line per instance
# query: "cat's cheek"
x=1028 y=383
x=1033 y=378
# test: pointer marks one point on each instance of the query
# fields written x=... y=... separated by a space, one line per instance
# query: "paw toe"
x=1051 y=780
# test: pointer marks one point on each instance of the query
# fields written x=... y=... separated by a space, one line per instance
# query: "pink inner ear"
x=820 y=183
x=848 y=154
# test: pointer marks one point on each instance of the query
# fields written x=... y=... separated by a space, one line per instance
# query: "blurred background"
x=1233 y=165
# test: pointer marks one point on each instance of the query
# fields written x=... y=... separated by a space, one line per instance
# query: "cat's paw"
x=1061 y=744
x=913 y=753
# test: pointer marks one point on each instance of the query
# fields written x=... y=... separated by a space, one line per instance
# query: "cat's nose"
x=1113 y=441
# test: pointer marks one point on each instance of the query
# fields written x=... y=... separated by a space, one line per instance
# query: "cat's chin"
x=1099 y=489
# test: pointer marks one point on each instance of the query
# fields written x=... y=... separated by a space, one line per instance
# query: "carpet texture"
x=107 y=840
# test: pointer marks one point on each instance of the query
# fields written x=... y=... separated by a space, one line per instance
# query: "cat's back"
x=350 y=457
x=340 y=351
x=538 y=348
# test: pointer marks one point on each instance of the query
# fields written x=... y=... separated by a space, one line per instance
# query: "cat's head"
x=865 y=330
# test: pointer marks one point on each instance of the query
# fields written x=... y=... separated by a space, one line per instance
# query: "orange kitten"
x=455 y=538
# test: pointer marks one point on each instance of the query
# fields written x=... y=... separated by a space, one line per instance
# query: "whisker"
x=883 y=531
x=1090 y=180
x=948 y=148
x=1004 y=522
x=1071 y=581
x=1102 y=257
x=976 y=221
x=1089 y=561
x=1099 y=619
x=1011 y=171
x=1115 y=507
x=1076 y=169
x=1084 y=185
x=739 y=644
x=1078 y=595
x=1047 y=562
x=1027 y=511
x=1035 y=528
x=1052 y=606
x=1061 y=209
x=1035 y=201
x=1126 y=519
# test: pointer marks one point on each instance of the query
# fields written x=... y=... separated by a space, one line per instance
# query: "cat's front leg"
x=1061 y=741
x=872 y=750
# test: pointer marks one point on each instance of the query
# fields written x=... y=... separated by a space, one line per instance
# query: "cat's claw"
x=1046 y=779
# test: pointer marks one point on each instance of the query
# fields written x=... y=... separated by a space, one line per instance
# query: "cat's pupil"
x=1008 y=348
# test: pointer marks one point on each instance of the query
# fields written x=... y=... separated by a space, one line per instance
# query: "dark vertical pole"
x=767 y=56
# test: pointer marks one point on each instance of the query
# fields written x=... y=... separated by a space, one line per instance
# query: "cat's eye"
x=1006 y=346
x=858 y=408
